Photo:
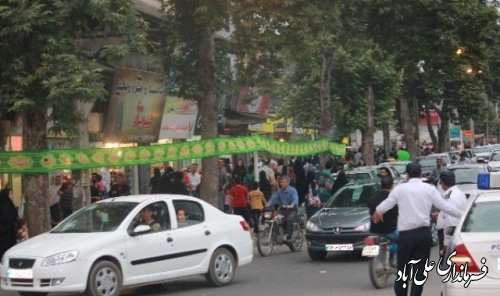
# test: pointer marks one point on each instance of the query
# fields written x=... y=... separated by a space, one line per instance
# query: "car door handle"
x=207 y=232
x=169 y=240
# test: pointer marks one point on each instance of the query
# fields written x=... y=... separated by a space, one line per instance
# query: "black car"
x=342 y=223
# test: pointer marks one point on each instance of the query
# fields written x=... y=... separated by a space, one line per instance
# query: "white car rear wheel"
x=222 y=268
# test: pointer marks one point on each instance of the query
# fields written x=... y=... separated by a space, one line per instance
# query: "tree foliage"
x=45 y=62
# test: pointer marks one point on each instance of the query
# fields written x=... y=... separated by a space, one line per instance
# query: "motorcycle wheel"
x=265 y=241
x=379 y=272
x=297 y=239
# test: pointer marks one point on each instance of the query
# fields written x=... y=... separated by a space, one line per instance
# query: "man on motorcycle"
x=288 y=200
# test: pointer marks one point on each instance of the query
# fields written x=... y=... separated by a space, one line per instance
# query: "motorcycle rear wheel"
x=379 y=272
x=265 y=241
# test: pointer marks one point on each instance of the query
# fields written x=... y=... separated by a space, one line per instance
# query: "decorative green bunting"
x=50 y=160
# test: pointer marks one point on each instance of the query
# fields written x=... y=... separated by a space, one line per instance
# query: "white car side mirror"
x=141 y=229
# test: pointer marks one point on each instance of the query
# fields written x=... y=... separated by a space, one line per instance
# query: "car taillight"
x=245 y=225
x=462 y=257
x=369 y=241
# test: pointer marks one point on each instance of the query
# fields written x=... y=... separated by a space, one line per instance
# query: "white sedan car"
x=130 y=241
x=476 y=236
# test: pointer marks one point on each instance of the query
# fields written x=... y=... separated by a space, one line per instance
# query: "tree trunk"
x=429 y=127
x=325 y=93
x=81 y=178
x=406 y=127
x=208 y=113
x=369 y=130
x=36 y=185
x=325 y=96
x=387 y=137
x=443 y=131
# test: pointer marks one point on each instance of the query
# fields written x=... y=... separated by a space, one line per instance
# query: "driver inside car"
x=147 y=219
x=288 y=200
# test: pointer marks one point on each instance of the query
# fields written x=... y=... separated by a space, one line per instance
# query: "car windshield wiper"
x=467 y=182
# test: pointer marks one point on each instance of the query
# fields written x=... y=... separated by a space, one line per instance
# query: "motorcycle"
x=274 y=232
x=382 y=265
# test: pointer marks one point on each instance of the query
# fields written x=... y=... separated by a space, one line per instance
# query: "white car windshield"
x=97 y=217
x=352 y=196
x=483 y=217
x=467 y=175
x=495 y=157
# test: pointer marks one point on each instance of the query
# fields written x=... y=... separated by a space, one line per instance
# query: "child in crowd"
x=257 y=203
x=227 y=199
x=101 y=188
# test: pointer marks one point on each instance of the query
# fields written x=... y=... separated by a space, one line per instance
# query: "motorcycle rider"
x=288 y=199
x=387 y=227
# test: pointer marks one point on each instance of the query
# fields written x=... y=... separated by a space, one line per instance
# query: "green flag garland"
x=28 y=162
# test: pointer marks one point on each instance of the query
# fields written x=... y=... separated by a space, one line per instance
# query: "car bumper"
x=484 y=287
x=318 y=241
x=58 y=278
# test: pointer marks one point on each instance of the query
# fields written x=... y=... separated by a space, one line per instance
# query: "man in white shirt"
x=463 y=158
x=194 y=180
x=454 y=196
x=414 y=200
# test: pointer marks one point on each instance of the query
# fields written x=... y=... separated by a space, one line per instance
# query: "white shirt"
x=53 y=195
x=456 y=197
x=194 y=180
x=465 y=161
x=414 y=200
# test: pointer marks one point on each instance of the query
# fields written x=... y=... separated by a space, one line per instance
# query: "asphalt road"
x=286 y=274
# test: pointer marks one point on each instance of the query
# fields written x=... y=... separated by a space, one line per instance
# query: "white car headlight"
x=61 y=258
x=364 y=227
x=312 y=227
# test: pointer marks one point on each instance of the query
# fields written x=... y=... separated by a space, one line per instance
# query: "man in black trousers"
x=414 y=200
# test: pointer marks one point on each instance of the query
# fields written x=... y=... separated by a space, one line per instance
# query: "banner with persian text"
x=51 y=160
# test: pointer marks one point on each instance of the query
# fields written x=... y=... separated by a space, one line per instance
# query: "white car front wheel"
x=105 y=279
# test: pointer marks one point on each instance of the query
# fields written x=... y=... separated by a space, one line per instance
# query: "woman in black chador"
x=8 y=221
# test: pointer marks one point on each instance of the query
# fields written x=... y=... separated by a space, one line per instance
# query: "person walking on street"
x=239 y=199
x=8 y=221
x=455 y=196
x=257 y=203
x=436 y=172
x=414 y=200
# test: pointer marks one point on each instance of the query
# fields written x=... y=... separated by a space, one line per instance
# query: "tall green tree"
x=198 y=68
x=46 y=69
x=318 y=44
x=424 y=36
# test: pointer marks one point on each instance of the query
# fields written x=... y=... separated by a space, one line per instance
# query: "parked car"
x=362 y=175
x=494 y=160
x=428 y=162
x=476 y=236
x=483 y=152
x=110 y=244
x=455 y=155
x=400 y=166
x=466 y=177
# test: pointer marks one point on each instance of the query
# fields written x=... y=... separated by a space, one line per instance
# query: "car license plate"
x=370 y=251
x=20 y=274
x=342 y=247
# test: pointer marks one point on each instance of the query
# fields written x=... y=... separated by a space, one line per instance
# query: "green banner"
x=28 y=162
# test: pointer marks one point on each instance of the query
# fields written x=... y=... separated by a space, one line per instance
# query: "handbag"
x=313 y=200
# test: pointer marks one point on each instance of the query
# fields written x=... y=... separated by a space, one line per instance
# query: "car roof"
x=488 y=195
x=435 y=155
x=468 y=165
x=141 y=198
